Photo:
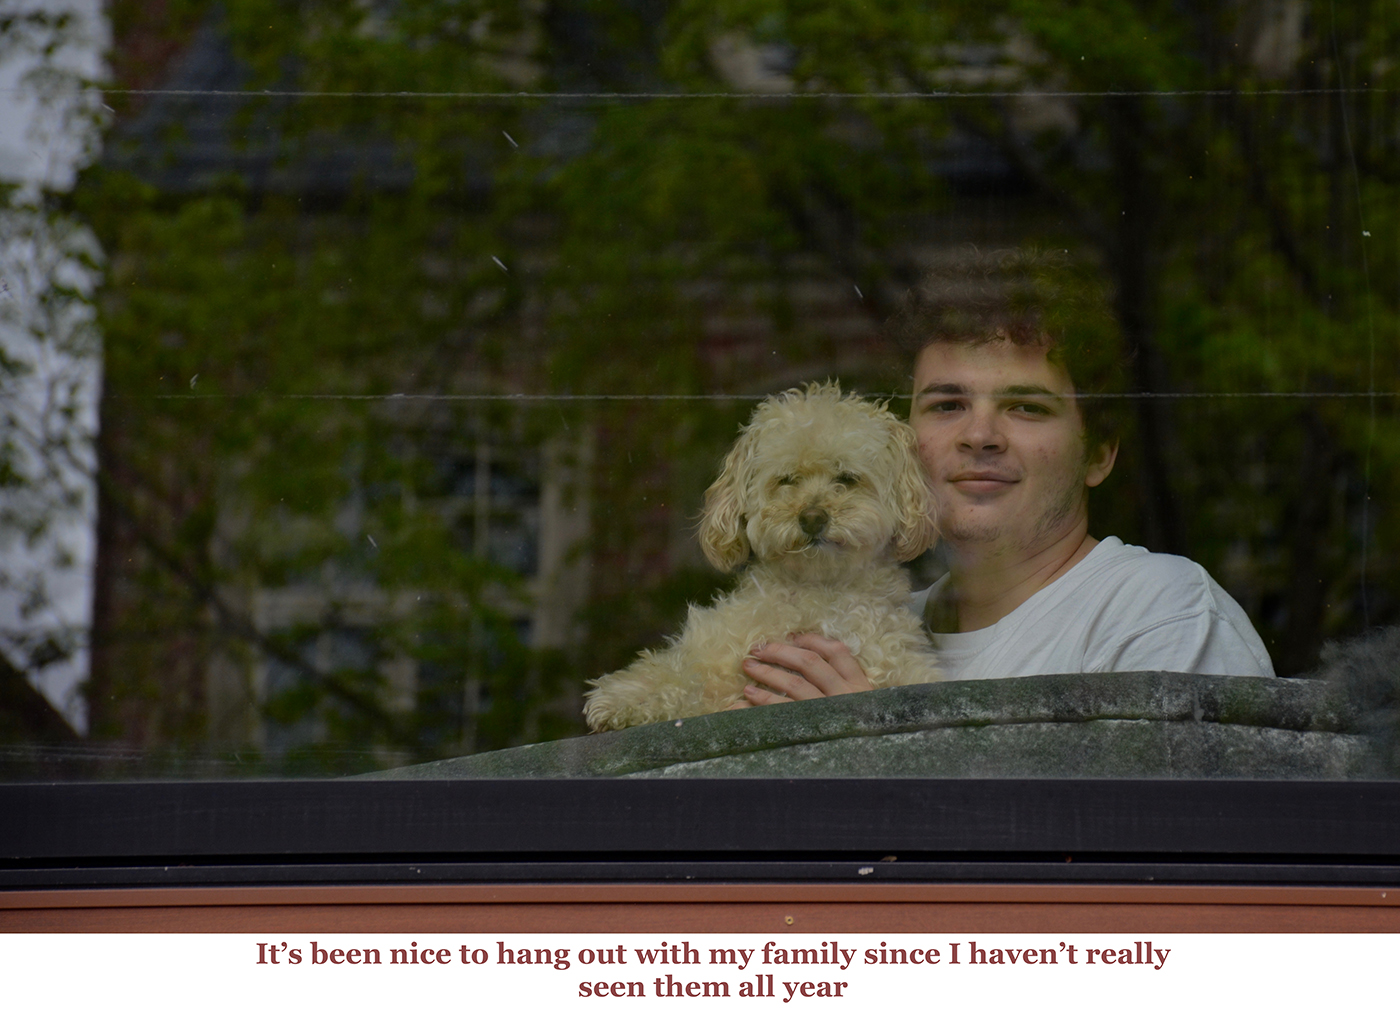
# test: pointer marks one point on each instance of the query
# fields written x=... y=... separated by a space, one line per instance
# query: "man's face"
x=1002 y=438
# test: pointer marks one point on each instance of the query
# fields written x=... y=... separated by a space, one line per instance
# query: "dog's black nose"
x=813 y=521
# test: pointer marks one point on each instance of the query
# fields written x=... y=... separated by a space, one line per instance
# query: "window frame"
x=134 y=834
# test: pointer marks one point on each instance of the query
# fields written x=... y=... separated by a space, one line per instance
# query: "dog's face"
x=818 y=478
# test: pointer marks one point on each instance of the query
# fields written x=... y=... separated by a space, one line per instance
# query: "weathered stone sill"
x=1130 y=725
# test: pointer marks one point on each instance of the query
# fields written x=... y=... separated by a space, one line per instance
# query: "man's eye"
x=943 y=406
x=847 y=479
x=1032 y=408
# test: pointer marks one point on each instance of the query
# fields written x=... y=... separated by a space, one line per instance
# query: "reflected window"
x=363 y=373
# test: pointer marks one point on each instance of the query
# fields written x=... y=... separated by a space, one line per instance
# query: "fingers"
x=839 y=657
x=782 y=676
x=756 y=696
x=808 y=667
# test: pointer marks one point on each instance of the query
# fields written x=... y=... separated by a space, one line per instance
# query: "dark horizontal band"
x=714 y=823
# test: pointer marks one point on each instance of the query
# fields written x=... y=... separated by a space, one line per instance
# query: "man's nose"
x=983 y=432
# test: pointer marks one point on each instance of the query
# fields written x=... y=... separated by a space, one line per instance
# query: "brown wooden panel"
x=883 y=908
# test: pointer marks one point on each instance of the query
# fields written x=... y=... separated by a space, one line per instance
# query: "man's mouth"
x=981 y=482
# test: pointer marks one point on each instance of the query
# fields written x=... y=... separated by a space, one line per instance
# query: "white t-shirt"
x=1121 y=608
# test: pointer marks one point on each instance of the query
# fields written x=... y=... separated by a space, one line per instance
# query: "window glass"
x=365 y=367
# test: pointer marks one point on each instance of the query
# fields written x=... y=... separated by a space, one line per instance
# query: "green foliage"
x=1226 y=215
x=250 y=450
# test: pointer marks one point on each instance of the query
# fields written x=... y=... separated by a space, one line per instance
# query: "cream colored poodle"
x=826 y=494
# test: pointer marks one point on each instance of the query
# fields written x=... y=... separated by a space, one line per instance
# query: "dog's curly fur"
x=826 y=494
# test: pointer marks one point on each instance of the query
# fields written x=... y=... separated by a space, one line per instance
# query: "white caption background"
x=217 y=971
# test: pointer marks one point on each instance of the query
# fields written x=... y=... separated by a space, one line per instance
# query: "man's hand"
x=806 y=667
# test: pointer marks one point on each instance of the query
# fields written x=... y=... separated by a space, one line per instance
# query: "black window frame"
x=85 y=835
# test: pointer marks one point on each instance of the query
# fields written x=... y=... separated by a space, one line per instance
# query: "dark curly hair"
x=1031 y=299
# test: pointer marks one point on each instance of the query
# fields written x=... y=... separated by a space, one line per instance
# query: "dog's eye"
x=847 y=480
x=785 y=480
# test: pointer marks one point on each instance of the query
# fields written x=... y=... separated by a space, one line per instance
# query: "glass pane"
x=366 y=365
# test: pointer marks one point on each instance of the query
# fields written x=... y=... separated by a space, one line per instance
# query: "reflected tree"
x=1216 y=166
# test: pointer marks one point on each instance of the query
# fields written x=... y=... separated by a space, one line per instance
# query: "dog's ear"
x=722 y=535
x=917 y=529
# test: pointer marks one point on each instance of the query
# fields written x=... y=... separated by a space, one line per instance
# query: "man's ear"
x=722 y=535
x=1100 y=463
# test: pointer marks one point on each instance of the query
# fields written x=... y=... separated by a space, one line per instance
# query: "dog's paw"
x=606 y=707
x=646 y=692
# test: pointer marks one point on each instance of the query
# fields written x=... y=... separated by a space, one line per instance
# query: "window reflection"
x=364 y=370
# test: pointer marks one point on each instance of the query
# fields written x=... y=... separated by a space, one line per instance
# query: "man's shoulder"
x=1121 y=608
x=1114 y=567
x=1120 y=591
x=1115 y=576
x=1148 y=595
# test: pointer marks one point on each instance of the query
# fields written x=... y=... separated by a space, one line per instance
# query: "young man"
x=1012 y=453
